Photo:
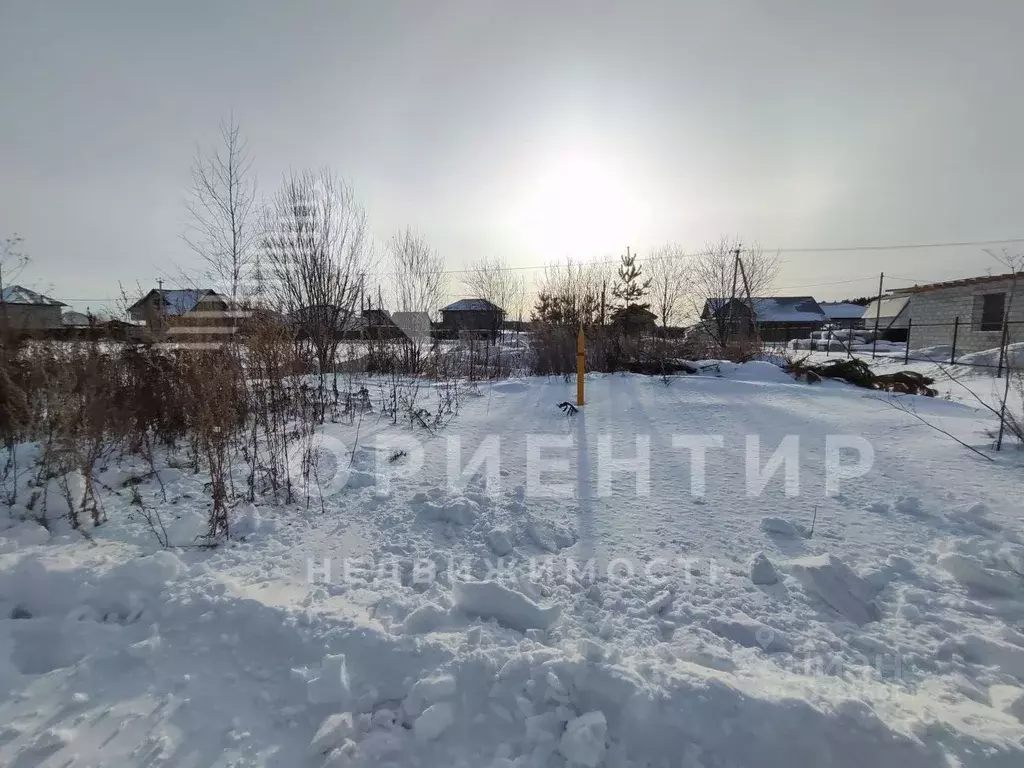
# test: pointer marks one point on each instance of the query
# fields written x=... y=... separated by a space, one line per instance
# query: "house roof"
x=413 y=324
x=891 y=308
x=841 y=310
x=76 y=319
x=179 y=302
x=777 y=309
x=960 y=283
x=378 y=317
x=16 y=294
x=472 y=305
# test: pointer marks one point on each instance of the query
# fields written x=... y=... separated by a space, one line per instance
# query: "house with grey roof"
x=477 y=317
x=771 y=318
x=22 y=309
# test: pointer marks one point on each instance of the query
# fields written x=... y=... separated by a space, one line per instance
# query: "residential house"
x=195 y=318
x=843 y=314
x=377 y=324
x=477 y=317
x=976 y=307
x=22 y=309
x=771 y=318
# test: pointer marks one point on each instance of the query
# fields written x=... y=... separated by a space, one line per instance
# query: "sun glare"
x=578 y=205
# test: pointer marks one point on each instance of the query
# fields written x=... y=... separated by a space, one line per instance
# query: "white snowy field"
x=564 y=603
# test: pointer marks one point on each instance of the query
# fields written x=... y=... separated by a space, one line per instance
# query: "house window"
x=993 y=305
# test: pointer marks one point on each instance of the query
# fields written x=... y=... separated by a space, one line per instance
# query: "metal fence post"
x=849 y=342
x=906 y=350
x=956 y=329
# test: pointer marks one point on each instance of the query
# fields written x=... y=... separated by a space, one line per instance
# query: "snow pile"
x=1013 y=357
x=583 y=740
x=762 y=570
x=780 y=527
x=836 y=584
x=972 y=574
x=512 y=609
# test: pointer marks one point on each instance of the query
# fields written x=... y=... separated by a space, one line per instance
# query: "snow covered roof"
x=76 y=319
x=180 y=302
x=16 y=294
x=472 y=305
x=840 y=310
x=891 y=308
x=778 y=309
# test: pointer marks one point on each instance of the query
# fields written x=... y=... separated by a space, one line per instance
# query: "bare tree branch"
x=711 y=277
x=574 y=294
x=491 y=278
x=421 y=284
x=223 y=228
x=317 y=252
x=669 y=271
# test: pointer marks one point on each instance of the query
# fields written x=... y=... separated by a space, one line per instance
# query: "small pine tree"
x=630 y=287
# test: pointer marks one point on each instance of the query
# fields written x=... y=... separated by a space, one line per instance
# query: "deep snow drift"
x=590 y=598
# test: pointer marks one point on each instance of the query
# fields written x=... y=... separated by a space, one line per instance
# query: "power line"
x=817 y=285
x=695 y=254
x=900 y=247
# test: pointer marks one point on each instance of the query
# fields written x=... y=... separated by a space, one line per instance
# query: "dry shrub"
x=742 y=350
x=608 y=349
x=244 y=404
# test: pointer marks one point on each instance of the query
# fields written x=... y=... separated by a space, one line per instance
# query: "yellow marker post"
x=580 y=365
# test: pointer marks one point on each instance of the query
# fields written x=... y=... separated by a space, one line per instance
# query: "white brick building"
x=976 y=307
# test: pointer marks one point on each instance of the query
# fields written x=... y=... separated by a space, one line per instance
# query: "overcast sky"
x=527 y=130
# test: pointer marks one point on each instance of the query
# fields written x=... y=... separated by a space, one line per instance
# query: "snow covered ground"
x=966 y=382
x=525 y=588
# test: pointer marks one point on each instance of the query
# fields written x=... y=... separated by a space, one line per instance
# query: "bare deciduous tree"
x=421 y=284
x=668 y=271
x=223 y=228
x=491 y=278
x=317 y=254
x=12 y=263
x=573 y=294
x=713 y=275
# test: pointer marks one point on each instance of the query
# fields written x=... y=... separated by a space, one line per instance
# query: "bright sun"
x=577 y=205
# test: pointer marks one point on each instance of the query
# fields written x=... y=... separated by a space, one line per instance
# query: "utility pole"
x=878 y=315
x=750 y=300
x=732 y=296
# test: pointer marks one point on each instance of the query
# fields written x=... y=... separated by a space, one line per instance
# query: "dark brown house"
x=477 y=317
